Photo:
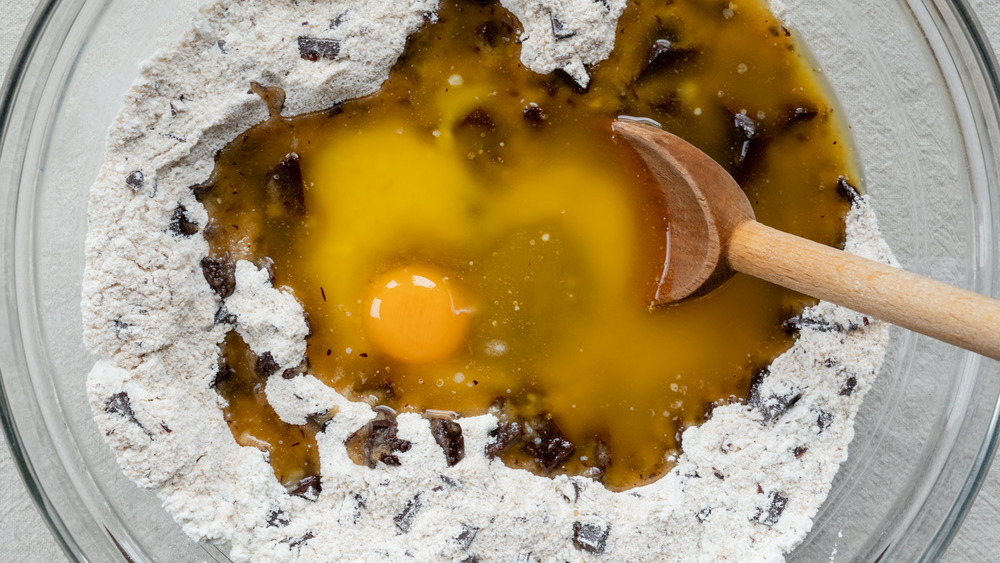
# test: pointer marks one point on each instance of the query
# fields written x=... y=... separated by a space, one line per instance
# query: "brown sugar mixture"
x=473 y=237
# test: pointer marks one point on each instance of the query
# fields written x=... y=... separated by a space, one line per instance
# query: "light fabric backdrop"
x=26 y=538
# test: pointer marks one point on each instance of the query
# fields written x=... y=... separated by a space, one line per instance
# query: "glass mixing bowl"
x=918 y=86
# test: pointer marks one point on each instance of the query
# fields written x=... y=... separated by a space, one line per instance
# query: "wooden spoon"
x=713 y=233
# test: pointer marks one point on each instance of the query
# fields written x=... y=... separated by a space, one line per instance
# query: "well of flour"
x=160 y=299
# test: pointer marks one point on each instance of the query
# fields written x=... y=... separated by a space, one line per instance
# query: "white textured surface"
x=26 y=536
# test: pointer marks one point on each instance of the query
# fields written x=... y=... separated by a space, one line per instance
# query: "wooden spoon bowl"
x=713 y=233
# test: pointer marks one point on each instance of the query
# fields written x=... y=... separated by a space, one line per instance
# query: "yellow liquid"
x=552 y=228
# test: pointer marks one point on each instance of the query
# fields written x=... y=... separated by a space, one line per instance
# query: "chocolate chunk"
x=448 y=435
x=489 y=33
x=508 y=431
x=546 y=443
x=605 y=4
x=267 y=264
x=225 y=373
x=202 y=189
x=559 y=29
x=284 y=186
x=663 y=55
x=718 y=474
x=799 y=451
x=121 y=405
x=294 y=543
x=322 y=418
x=471 y=559
x=591 y=538
x=744 y=134
x=223 y=316
x=534 y=116
x=703 y=514
x=773 y=406
x=568 y=80
x=375 y=442
x=277 y=518
x=220 y=273
x=479 y=119
x=135 y=180
x=404 y=520
x=770 y=515
x=848 y=191
x=849 y=385
x=799 y=322
x=222 y=46
x=453 y=483
x=121 y=329
x=308 y=488
x=800 y=115
x=465 y=538
x=181 y=224
x=313 y=48
x=599 y=461
x=265 y=365
x=823 y=420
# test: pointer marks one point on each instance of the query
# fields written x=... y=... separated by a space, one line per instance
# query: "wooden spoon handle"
x=941 y=311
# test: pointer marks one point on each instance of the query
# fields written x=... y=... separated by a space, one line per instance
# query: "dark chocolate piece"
x=799 y=322
x=121 y=405
x=849 y=385
x=308 y=488
x=546 y=443
x=375 y=442
x=568 y=79
x=823 y=420
x=799 y=451
x=454 y=483
x=465 y=538
x=299 y=541
x=404 y=520
x=559 y=29
x=703 y=514
x=220 y=273
x=663 y=55
x=448 y=435
x=202 y=189
x=503 y=437
x=745 y=133
x=479 y=119
x=225 y=373
x=267 y=264
x=534 y=116
x=284 y=186
x=265 y=365
x=313 y=48
x=848 y=191
x=181 y=224
x=771 y=515
x=135 y=180
x=277 y=518
x=591 y=538
x=771 y=407
x=471 y=559
x=800 y=115
x=223 y=316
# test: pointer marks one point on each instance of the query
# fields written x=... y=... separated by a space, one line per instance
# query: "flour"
x=746 y=487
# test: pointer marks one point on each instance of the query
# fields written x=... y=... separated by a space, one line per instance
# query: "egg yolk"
x=416 y=316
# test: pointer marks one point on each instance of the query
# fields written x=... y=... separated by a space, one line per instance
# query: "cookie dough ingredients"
x=511 y=185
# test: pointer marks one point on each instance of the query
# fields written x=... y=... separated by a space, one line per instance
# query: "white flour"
x=746 y=487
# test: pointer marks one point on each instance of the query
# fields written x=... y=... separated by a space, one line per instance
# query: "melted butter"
x=512 y=185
